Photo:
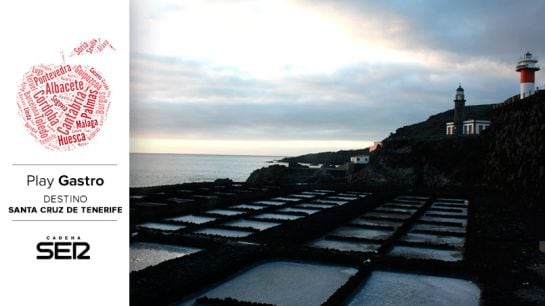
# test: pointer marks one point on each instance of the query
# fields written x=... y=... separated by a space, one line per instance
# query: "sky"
x=285 y=78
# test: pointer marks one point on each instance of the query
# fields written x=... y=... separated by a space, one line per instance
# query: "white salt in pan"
x=278 y=216
x=349 y=231
x=344 y=245
x=192 y=219
x=315 y=205
x=440 y=228
x=283 y=283
x=249 y=206
x=160 y=226
x=258 y=225
x=143 y=254
x=433 y=239
x=335 y=202
x=273 y=203
x=223 y=232
x=426 y=253
x=376 y=222
x=286 y=199
x=225 y=212
x=392 y=289
x=299 y=210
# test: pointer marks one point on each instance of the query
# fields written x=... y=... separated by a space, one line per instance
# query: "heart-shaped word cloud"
x=63 y=106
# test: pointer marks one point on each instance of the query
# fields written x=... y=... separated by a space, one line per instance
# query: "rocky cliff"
x=509 y=157
x=426 y=164
x=434 y=126
x=516 y=150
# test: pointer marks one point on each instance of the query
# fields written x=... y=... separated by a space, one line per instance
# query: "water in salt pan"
x=315 y=205
x=434 y=239
x=286 y=199
x=150 y=204
x=402 y=200
x=283 y=283
x=344 y=245
x=453 y=200
x=192 y=219
x=273 y=203
x=353 y=193
x=314 y=193
x=395 y=210
x=160 y=226
x=440 y=228
x=181 y=200
x=299 y=210
x=443 y=210
x=249 y=206
x=392 y=289
x=304 y=196
x=420 y=198
x=402 y=205
x=225 y=212
x=450 y=204
x=335 y=202
x=387 y=215
x=454 y=221
x=343 y=198
x=223 y=232
x=258 y=225
x=440 y=214
x=376 y=222
x=143 y=254
x=349 y=231
x=426 y=253
x=278 y=216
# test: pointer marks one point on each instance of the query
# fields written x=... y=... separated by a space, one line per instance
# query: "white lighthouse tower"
x=527 y=66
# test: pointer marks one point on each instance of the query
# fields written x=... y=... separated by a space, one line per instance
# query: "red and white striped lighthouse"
x=527 y=66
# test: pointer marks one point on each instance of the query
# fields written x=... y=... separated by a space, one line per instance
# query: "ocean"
x=167 y=169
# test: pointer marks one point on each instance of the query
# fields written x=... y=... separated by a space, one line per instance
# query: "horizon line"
x=211 y=154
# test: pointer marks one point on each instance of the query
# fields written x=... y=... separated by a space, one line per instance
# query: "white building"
x=475 y=127
x=470 y=127
x=450 y=128
x=359 y=159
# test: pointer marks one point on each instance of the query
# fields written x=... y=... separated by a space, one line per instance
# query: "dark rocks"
x=516 y=152
x=282 y=175
x=224 y=181
x=330 y=158
x=295 y=165
x=425 y=164
x=271 y=175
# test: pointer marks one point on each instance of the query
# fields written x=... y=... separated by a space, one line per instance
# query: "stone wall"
x=516 y=150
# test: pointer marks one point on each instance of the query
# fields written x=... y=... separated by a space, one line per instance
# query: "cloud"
x=328 y=70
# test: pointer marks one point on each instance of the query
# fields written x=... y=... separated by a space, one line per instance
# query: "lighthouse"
x=462 y=125
x=459 y=105
x=527 y=66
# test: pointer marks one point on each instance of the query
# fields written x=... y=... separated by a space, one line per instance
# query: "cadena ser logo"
x=58 y=247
